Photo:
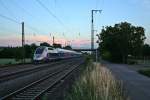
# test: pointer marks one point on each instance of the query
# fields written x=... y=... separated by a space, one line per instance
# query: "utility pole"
x=92 y=27
x=53 y=40
x=96 y=55
x=23 y=43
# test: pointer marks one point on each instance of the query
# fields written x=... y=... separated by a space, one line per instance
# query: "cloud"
x=16 y=41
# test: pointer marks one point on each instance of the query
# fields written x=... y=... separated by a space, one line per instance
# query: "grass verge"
x=12 y=61
x=145 y=72
x=97 y=83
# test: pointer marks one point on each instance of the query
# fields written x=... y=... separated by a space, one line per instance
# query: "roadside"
x=137 y=86
x=96 y=83
x=143 y=69
x=10 y=62
x=137 y=67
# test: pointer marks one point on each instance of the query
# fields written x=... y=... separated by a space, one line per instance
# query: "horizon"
x=68 y=21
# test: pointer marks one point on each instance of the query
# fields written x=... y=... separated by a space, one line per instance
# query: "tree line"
x=16 y=52
x=122 y=41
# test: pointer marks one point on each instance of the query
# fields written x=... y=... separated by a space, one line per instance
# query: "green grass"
x=11 y=61
x=136 y=61
x=97 y=83
x=145 y=72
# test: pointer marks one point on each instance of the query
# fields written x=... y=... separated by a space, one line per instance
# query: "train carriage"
x=46 y=54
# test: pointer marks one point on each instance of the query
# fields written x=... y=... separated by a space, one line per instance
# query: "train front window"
x=39 y=50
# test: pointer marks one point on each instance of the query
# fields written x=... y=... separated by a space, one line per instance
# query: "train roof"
x=64 y=50
x=69 y=51
x=59 y=50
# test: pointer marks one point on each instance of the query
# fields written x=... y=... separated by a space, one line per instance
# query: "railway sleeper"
x=31 y=94
x=15 y=98
x=24 y=97
x=33 y=90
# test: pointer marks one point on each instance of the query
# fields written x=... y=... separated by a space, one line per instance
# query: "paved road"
x=138 y=86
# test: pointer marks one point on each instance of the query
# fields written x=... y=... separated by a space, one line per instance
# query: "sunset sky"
x=67 y=20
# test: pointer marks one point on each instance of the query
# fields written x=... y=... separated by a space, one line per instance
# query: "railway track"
x=12 y=75
x=36 y=89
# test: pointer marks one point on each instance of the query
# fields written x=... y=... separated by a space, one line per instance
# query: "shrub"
x=145 y=72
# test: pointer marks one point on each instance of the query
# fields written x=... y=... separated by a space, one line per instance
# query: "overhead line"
x=27 y=25
x=32 y=28
x=23 y=9
x=3 y=29
x=10 y=12
x=50 y=12
x=10 y=19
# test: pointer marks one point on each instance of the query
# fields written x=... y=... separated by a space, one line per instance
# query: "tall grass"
x=97 y=83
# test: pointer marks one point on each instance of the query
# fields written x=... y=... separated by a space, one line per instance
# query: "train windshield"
x=39 y=50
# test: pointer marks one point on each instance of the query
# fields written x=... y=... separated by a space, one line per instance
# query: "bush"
x=132 y=62
x=145 y=72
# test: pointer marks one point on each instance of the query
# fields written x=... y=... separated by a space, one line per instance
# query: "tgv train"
x=45 y=54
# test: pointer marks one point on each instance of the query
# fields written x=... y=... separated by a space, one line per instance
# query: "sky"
x=69 y=21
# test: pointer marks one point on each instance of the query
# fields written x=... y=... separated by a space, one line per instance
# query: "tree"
x=45 y=44
x=68 y=47
x=28 y=51
x=121 y=40
x=33 y=47
x=57 y=45
x=16 y=52
x=146 y=50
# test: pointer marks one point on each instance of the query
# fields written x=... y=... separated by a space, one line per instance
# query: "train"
x=47 y=54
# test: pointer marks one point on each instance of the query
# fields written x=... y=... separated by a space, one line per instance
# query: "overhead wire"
x=99 y=4
x=10 y=19
x=96 y=3
x=8 y=10
x=3 y=28
x=29 y=14
x=19 y=23
x=102 y=6
x=15 y=19
x=50 y=13
x=32 y=28
x=22 y=8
